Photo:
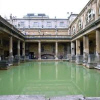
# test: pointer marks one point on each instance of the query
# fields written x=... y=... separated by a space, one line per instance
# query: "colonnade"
x=75 y=46
x=87 y=59
x=56 y=50
x=18 y=48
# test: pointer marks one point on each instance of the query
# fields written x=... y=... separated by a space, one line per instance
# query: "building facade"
x=76 y=39
x=45 y=32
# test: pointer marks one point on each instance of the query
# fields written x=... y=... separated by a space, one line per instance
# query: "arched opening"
x=90 y=15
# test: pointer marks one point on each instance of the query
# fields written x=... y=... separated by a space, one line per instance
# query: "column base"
x=56 y=58
x=91 y=65
x=10 y=60
x=73 y=58
x=92 y=61
x=97 y=67
x=39 y=58
x=68 y=57
x=85 y=58
x=4 y=65
x=85 y=62
x=98 y=62
x=16 y=60
x=22 y=59
x=79 y=59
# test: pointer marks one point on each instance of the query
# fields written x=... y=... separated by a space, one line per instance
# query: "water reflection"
x=50 y=79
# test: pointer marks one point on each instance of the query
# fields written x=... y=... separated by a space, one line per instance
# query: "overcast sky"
x=58 y=8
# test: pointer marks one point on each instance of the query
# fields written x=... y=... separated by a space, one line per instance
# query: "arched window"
x=79 y=24
x=90 y=15
x=73 y=30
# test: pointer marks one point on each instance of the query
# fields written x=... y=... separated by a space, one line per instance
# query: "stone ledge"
x=37 y=97
x=92 y=98
x=22 y=97
x=70 y=97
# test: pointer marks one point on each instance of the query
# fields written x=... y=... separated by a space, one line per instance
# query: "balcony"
x=62 y=37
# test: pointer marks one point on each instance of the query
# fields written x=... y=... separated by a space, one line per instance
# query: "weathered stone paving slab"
x=92 y=98
x=71 y=97
x=9 y=97
x=36 y=97
x=21 y=97
x=31 y=97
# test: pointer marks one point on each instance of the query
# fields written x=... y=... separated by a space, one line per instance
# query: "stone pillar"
x=98 y=42
x=23 y=51
x=72 y=48
x=98 y=47
x=79 y=58
x=17 y=58
x=11 y=46
x=73 y=56
x=18 y=48
x=11 y=50
x=68 y=48
x=77 y=47
x=86 y=49
x=56 y=50
x=39 y=50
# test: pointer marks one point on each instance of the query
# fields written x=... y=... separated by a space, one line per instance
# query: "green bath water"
x=49 y=79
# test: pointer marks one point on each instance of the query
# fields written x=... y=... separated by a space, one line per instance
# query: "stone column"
x=18 y=48
x=39 y=50
x=10 y=46
x=11 y=49
x=56 y=50
x=68 y=48
x=79 y=58
x=77 y=47
x=72 y=48
x=98 y=42
x=86 y=49
x=73 y=56
x=98 y=47
x=23 y=51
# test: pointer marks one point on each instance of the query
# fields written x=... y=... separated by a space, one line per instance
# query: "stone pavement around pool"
x=33 y=97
